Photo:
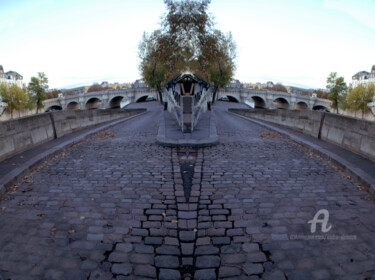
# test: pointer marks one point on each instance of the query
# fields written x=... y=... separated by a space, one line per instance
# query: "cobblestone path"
x=119 y=206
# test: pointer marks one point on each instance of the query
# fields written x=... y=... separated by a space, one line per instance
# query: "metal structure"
x=187 y=97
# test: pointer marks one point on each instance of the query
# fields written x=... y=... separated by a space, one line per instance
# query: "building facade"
x=10 y=77
x=138 y=84
x=236 y=84
x=363 y=77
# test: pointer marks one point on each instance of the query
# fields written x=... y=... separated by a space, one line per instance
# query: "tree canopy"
x=187 y=42
x=53 y=93
x=277 y=87
x=15 y=97
x=38 y=89
x=97 y=87
x=359 y=97
x=321 y=94
x=337 y=90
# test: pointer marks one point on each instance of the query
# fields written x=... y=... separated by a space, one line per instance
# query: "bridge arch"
x=281 y=103
x=54 y=108
x=301 y=105
x=73 y=106
x=93 y=103
x=320 y=108
x=232 y=99
x=142 y=99
x=115 y=102
x=259 y=102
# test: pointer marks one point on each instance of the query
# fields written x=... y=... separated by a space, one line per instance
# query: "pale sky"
x=295 y=42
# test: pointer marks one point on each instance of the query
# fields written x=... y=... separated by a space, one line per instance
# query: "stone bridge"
x=100 y=99
x=252 y=97
x=274 y=99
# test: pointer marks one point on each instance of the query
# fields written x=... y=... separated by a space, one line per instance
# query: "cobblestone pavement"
x=118 y=206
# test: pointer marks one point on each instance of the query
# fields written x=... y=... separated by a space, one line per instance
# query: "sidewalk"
x=14 y=168
x=361 y=168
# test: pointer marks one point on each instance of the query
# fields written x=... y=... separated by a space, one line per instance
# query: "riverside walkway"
x=119 y=206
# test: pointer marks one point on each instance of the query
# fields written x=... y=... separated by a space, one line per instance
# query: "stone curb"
x=21 y=171
x=356 y=172
x=212 y=140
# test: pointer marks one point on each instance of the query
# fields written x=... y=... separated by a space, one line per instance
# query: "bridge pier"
x=269 y=102
x=293 y=101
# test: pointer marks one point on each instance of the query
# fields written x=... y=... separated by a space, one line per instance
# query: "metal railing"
x=187 y=118
x=202 y=104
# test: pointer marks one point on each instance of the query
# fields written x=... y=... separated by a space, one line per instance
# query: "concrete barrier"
x=22 y=134
x=352 y=134
x=305 y=121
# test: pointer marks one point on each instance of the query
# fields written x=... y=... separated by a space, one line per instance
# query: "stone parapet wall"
x=22 y=134
x=19 y=135
x=305 y=121
x=352 y=134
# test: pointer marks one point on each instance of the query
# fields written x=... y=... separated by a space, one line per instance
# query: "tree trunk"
x=214 y=95
x=160 y=94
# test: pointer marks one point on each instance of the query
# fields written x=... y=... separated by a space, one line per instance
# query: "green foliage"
x=97 y=87
x=359 y=97
x=343 y=103
x=187 y=42
x=277 y=87
x=53 y=93
x=38 y=89
x=15 y=97
x=321 y=94
x=337 y=89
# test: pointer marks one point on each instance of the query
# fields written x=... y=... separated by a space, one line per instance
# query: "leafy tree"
x=337 y=89
x=219 y=54
x=38 y=89
x=343 y=103
x=359 y=97
x=97 y=87
x=53 y=94
x=16 y=97
x=187 y=42
x=278 y=87
x=321 y=93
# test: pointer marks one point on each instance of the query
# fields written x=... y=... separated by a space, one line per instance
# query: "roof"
x=13 y=72
x=187 y=76
x=360 y=73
